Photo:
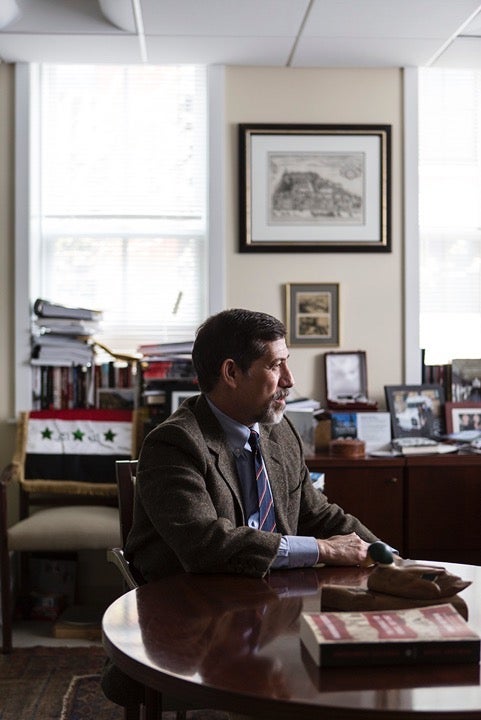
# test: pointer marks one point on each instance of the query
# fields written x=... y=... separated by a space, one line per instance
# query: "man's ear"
x=229 y=372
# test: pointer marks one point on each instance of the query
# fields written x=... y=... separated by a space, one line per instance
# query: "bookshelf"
x=164 y=382
x=63 y=386
x=71 y=369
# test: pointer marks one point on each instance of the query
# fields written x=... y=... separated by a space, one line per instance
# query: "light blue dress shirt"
x=294 y=551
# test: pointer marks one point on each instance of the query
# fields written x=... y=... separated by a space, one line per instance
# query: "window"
x=121 y=184
x=450 y=213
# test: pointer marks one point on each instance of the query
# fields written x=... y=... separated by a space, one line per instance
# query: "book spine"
x=400 y=653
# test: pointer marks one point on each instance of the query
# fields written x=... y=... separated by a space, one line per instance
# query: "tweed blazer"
x=188 y=512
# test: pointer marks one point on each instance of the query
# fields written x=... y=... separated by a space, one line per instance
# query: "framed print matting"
x=312 y=313
x=315 y=188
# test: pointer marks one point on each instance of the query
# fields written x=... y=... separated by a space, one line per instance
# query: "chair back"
x=125 y=472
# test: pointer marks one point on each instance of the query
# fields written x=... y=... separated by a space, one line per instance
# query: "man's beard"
x=273 y=415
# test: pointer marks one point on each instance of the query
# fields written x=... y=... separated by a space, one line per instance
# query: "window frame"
x=25 y=257
x=412 y=350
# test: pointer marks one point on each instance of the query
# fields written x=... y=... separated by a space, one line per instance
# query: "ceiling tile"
x=388 y=18
x=219 y=51
x=464 y=52
x=256 y=18
x=363 y=52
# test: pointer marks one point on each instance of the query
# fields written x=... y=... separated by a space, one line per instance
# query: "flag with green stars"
x=77 y=444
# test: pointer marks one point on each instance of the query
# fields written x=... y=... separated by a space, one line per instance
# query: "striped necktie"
x=267 y=518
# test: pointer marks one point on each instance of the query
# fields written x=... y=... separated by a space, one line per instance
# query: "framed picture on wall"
x=306 y=188
x=312 y=314
x=416 y=410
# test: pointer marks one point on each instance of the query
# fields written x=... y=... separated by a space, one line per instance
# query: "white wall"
x=371 y=315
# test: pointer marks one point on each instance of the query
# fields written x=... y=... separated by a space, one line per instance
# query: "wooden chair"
x=152 y=701
x=125 y=474
x=67 y=510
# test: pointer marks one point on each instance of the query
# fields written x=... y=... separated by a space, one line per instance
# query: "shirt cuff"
x=295 y=551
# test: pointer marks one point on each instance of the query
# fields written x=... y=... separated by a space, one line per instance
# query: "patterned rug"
x=62 y=683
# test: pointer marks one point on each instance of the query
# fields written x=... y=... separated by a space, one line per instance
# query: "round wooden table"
x=232 y=643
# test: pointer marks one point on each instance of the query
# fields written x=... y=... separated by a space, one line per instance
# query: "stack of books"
x=63 y=335
x=167 y=361
x=166 y=371
x=153 y=350
x=62 y=356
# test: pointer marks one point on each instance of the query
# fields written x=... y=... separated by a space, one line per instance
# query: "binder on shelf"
x=46 y=309
x=182 y=347
x=67 y=327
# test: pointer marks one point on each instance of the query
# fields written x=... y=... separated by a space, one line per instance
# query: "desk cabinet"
x=371 y=489
x=444 y=508
x=429 y=507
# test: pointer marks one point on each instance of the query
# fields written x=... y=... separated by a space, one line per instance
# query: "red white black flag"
x=77 y=444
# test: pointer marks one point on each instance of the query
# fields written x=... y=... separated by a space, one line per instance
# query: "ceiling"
x=279 y=33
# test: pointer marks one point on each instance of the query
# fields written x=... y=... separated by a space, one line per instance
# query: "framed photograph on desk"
x=463 y=416
x=416 y=410
x=345 y=375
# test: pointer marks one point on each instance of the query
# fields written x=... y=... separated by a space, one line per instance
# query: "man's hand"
x=342 y=550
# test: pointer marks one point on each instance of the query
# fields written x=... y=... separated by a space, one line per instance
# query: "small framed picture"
x=345 y=375
x=178 y=397
x=462 y=417
x=312 y=314
x=416 y=410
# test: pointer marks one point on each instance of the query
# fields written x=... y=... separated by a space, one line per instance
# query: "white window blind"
x=122 y=181
x=450 y=213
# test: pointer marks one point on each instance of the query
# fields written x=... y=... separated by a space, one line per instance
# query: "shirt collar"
x=237 y=434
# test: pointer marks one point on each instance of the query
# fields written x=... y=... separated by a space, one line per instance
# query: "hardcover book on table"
x=425 y=635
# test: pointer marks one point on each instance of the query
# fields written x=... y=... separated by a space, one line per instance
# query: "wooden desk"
x=232 y=643
x=409 y=502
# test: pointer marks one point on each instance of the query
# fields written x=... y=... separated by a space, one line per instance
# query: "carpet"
x=62 y=683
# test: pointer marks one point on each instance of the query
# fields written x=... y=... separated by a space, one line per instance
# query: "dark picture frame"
x=463 y=416
x=312 y=314
x=345 y=375
x=416 y=410
x=315 y=188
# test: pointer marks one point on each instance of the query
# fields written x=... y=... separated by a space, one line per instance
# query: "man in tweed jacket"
x=194 y=508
